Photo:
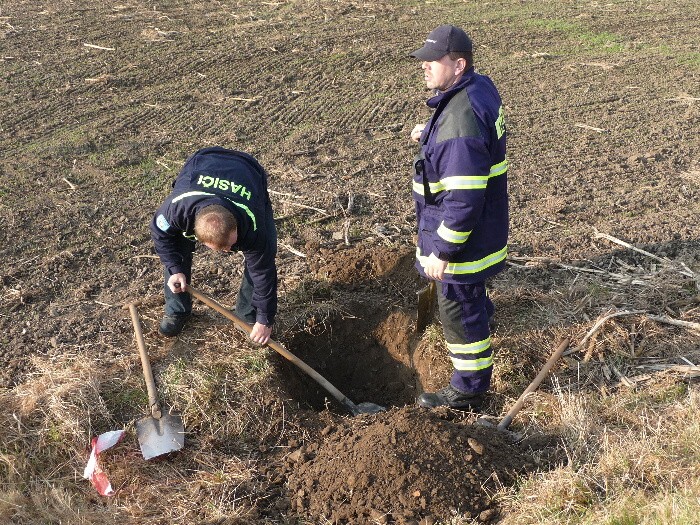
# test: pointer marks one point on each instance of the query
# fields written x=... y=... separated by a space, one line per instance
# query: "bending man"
x=220 y=199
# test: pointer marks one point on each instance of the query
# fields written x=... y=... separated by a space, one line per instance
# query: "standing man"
x=460 y=192
x=220 y=199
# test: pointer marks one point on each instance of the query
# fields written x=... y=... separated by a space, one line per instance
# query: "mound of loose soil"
x=364 y=263
x=403 y=466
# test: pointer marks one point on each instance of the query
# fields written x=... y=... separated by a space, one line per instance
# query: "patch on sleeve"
x=162 y=223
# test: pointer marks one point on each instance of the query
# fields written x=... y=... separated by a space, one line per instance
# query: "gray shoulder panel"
x=457 y=119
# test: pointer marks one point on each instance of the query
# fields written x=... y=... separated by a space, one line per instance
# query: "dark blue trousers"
x=181 y=303
x=465 y=310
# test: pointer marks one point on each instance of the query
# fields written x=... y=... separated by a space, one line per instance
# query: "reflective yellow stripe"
x=498 y=169
x=464 y=182
x=247 y=210
x=500 y=123
x=191 y=194
x=472 y=365
x=476 y=182
x=206 y=194
x=470 y=348
x=469 y=266
x=452 y=235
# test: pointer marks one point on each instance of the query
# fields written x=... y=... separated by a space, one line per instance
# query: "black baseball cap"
x=442 y=40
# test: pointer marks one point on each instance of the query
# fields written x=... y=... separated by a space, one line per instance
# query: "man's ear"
x=461 y=66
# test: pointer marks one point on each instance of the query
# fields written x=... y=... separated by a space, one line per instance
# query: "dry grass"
x=627 y=429
x=622 y=468
x=47 y=424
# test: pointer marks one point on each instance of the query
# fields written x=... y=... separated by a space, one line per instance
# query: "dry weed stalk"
x=629 y=452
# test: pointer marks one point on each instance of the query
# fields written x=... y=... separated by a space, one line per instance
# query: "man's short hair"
x=466 y=55
x=214 y=224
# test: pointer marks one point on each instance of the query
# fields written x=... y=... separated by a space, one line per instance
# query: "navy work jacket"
x=459 y=183
x=236 y=181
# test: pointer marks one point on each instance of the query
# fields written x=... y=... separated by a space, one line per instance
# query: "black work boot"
x=451 y=397
x=172 y=325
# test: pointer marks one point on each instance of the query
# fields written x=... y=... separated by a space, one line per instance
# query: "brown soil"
x=102 y=103
x=404 y=465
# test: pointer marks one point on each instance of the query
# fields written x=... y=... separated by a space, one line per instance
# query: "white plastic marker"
x=93 y=472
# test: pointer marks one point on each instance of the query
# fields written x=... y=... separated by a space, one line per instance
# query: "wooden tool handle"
x=337 y=394
x=506 y=421
x=145 y=363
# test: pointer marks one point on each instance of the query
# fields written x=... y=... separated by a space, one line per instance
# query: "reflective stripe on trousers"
x=465 y=310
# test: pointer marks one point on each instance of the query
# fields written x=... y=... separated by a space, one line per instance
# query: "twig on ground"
x=597 y=326
x=351 y=203
x=686 y=271
x=675 y=322
x=282 y=193
x=72 y=186
x=105 y=304
x=635 y=379
x=621 y=278
x=346 y=232
x=545 y=260
x=623 y=379
x=687 y=370
x=100 y=47
x=320 y=219
x=586 y=126
x=684 y=98
x=294 y=251
x=284 y=217
x=599 y=323
x=320 y=210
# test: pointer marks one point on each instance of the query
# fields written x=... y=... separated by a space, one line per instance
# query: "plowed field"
x=102 y=103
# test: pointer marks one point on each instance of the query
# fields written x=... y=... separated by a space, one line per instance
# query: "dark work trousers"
x=244 y=308
x=180 y=303
x=465 y=310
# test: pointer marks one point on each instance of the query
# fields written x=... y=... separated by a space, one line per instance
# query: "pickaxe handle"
x=506 y=421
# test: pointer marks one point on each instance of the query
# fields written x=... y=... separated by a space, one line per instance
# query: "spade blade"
x=160 y=436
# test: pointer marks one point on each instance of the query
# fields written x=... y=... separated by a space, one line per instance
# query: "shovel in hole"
x=427 y=299
x=354 y=409
x=163 y=431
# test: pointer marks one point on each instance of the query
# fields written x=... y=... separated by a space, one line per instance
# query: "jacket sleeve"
x=263 y=273
x=464 y=165
x=167 y=233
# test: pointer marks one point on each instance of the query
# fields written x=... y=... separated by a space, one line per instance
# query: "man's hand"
x=177 y=283
x=416 y=132
x=435 y=268
x=260 y=333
